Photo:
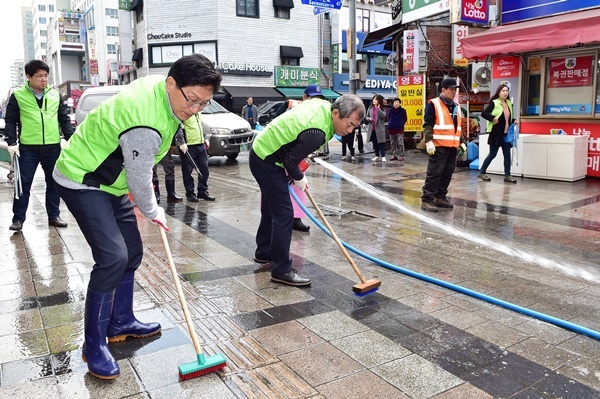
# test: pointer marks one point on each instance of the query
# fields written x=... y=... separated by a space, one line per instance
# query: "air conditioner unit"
x=481 y=77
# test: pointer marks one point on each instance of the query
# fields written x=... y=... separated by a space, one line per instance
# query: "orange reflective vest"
x=444 y=133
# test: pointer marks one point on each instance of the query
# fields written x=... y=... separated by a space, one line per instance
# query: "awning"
x=290 y=52
x=541 y=34
x=382 y=35
x=249 y=91
x=283 y=3
x=135 y=3
x=138 y=56
x=295 y=92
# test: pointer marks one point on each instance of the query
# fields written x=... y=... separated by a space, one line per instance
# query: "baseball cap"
x=449 y=83
x=313 y=90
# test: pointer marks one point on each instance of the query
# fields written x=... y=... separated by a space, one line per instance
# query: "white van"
x=227 y=133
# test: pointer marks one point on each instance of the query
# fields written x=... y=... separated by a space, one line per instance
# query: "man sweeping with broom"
x=111 y=154
x=278 y=149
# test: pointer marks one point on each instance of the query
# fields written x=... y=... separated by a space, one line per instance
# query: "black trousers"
x=109 y=226
x=439 y=173
x=348 y=141
x=200 y=157
x=359 y=139
x=274 y=233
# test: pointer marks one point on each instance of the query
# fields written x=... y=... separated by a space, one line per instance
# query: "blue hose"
x=537 y=315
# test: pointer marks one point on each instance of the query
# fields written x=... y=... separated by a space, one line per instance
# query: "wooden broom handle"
x=186 y=312
x=335 y=237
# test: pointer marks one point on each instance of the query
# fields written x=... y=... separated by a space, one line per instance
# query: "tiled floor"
x=532 y=245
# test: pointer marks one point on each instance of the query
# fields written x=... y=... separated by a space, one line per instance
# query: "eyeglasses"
x=192 y=103
x=40 y=76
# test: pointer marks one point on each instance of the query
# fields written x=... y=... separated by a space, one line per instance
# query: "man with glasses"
x=110 y=155
x=35 y=117
x=274 y=162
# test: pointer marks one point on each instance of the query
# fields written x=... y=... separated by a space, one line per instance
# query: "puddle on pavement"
x=344 y=214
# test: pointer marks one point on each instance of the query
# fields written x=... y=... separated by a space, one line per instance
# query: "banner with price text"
x=411 y=90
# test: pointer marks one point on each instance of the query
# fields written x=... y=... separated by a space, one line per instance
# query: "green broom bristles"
x=202 y=366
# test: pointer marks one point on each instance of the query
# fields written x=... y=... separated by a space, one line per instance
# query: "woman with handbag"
x=499 y=114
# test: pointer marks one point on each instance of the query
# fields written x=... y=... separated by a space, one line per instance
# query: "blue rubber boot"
x=123 y=323
x=98 y=308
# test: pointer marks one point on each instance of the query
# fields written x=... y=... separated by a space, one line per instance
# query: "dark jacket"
x=397 y=120
x=497 y=133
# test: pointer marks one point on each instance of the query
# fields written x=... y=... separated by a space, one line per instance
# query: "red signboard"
x=505 y=67
x=570 y=71
x=475 y=11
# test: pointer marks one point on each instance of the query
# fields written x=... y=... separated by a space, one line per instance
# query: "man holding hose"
x=278 y=149
x=110 y=155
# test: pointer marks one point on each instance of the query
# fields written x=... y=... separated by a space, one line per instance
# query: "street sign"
x=335 y=4
x=320 y=10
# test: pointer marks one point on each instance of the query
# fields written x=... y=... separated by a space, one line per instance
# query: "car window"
x=91 y=102
x=214 y=108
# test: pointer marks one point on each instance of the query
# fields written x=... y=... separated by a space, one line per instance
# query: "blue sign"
x=320 y=10
x=335 y=4
x=521 y=10
x=374 y=48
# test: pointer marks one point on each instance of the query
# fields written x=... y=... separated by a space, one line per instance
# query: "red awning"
x=540 y=34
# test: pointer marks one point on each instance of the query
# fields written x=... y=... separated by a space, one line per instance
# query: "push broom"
x=203 y=364
x=366 y=286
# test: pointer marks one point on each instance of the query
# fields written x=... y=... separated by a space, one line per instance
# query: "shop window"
x=247 y=8
x=346 y=64
x=381 y=67
x=281 y=12
x=283 y=8
x=569 y=85
x=533 y=85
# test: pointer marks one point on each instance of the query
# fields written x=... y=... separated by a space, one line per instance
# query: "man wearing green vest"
x=110 y=155
x=278 y=149
x=35 y=117
x=195 y=152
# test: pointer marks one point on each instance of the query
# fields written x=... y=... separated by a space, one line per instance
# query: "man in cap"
x=313 y=91
x=442 y=139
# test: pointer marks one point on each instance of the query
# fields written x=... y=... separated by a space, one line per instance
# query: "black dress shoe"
x=16 y=226
x=262 y=261
x=192 y=198
x=173 y=199
x=290 y=278
x=298 y=225
x=57 y=222
x=206 y=196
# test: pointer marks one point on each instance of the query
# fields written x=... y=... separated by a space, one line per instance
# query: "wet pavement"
x=533 y=245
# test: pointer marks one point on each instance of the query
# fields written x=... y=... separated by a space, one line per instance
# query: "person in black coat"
x=499 y=114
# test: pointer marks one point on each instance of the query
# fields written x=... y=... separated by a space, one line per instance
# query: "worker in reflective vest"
x=443 y=141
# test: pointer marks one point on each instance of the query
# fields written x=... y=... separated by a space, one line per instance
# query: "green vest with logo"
x=283 y=130
x=39 y=126
x=93 y=155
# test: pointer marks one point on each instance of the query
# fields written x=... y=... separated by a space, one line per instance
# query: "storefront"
x=551 y=66
x=373 y=85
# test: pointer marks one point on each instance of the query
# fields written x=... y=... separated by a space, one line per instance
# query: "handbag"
x=510 y=135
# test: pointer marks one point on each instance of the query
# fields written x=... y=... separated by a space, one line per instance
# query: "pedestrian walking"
x=442 y=132
x=110 y=155
x=499 y=114
x=376 y=118
x=396 y=120
x=35 y=118
x=274 y=162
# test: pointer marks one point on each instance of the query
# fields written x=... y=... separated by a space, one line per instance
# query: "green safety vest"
x=498 y=111
x=193 y=130
x=39 y=125
x=93 y=156
x=283 y=130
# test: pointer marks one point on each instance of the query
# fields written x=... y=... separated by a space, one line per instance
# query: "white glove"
x=207 y=144
x=463 y=149
x=430 y=147
x=302 y=184
x=63 y=143
x=14 y=150
x=183 y=148
x=161 y=219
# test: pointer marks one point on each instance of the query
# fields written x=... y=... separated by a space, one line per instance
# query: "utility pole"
x=351 y=47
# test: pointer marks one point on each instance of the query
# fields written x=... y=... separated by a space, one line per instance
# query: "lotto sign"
x=570 y=71
x=411 y=90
